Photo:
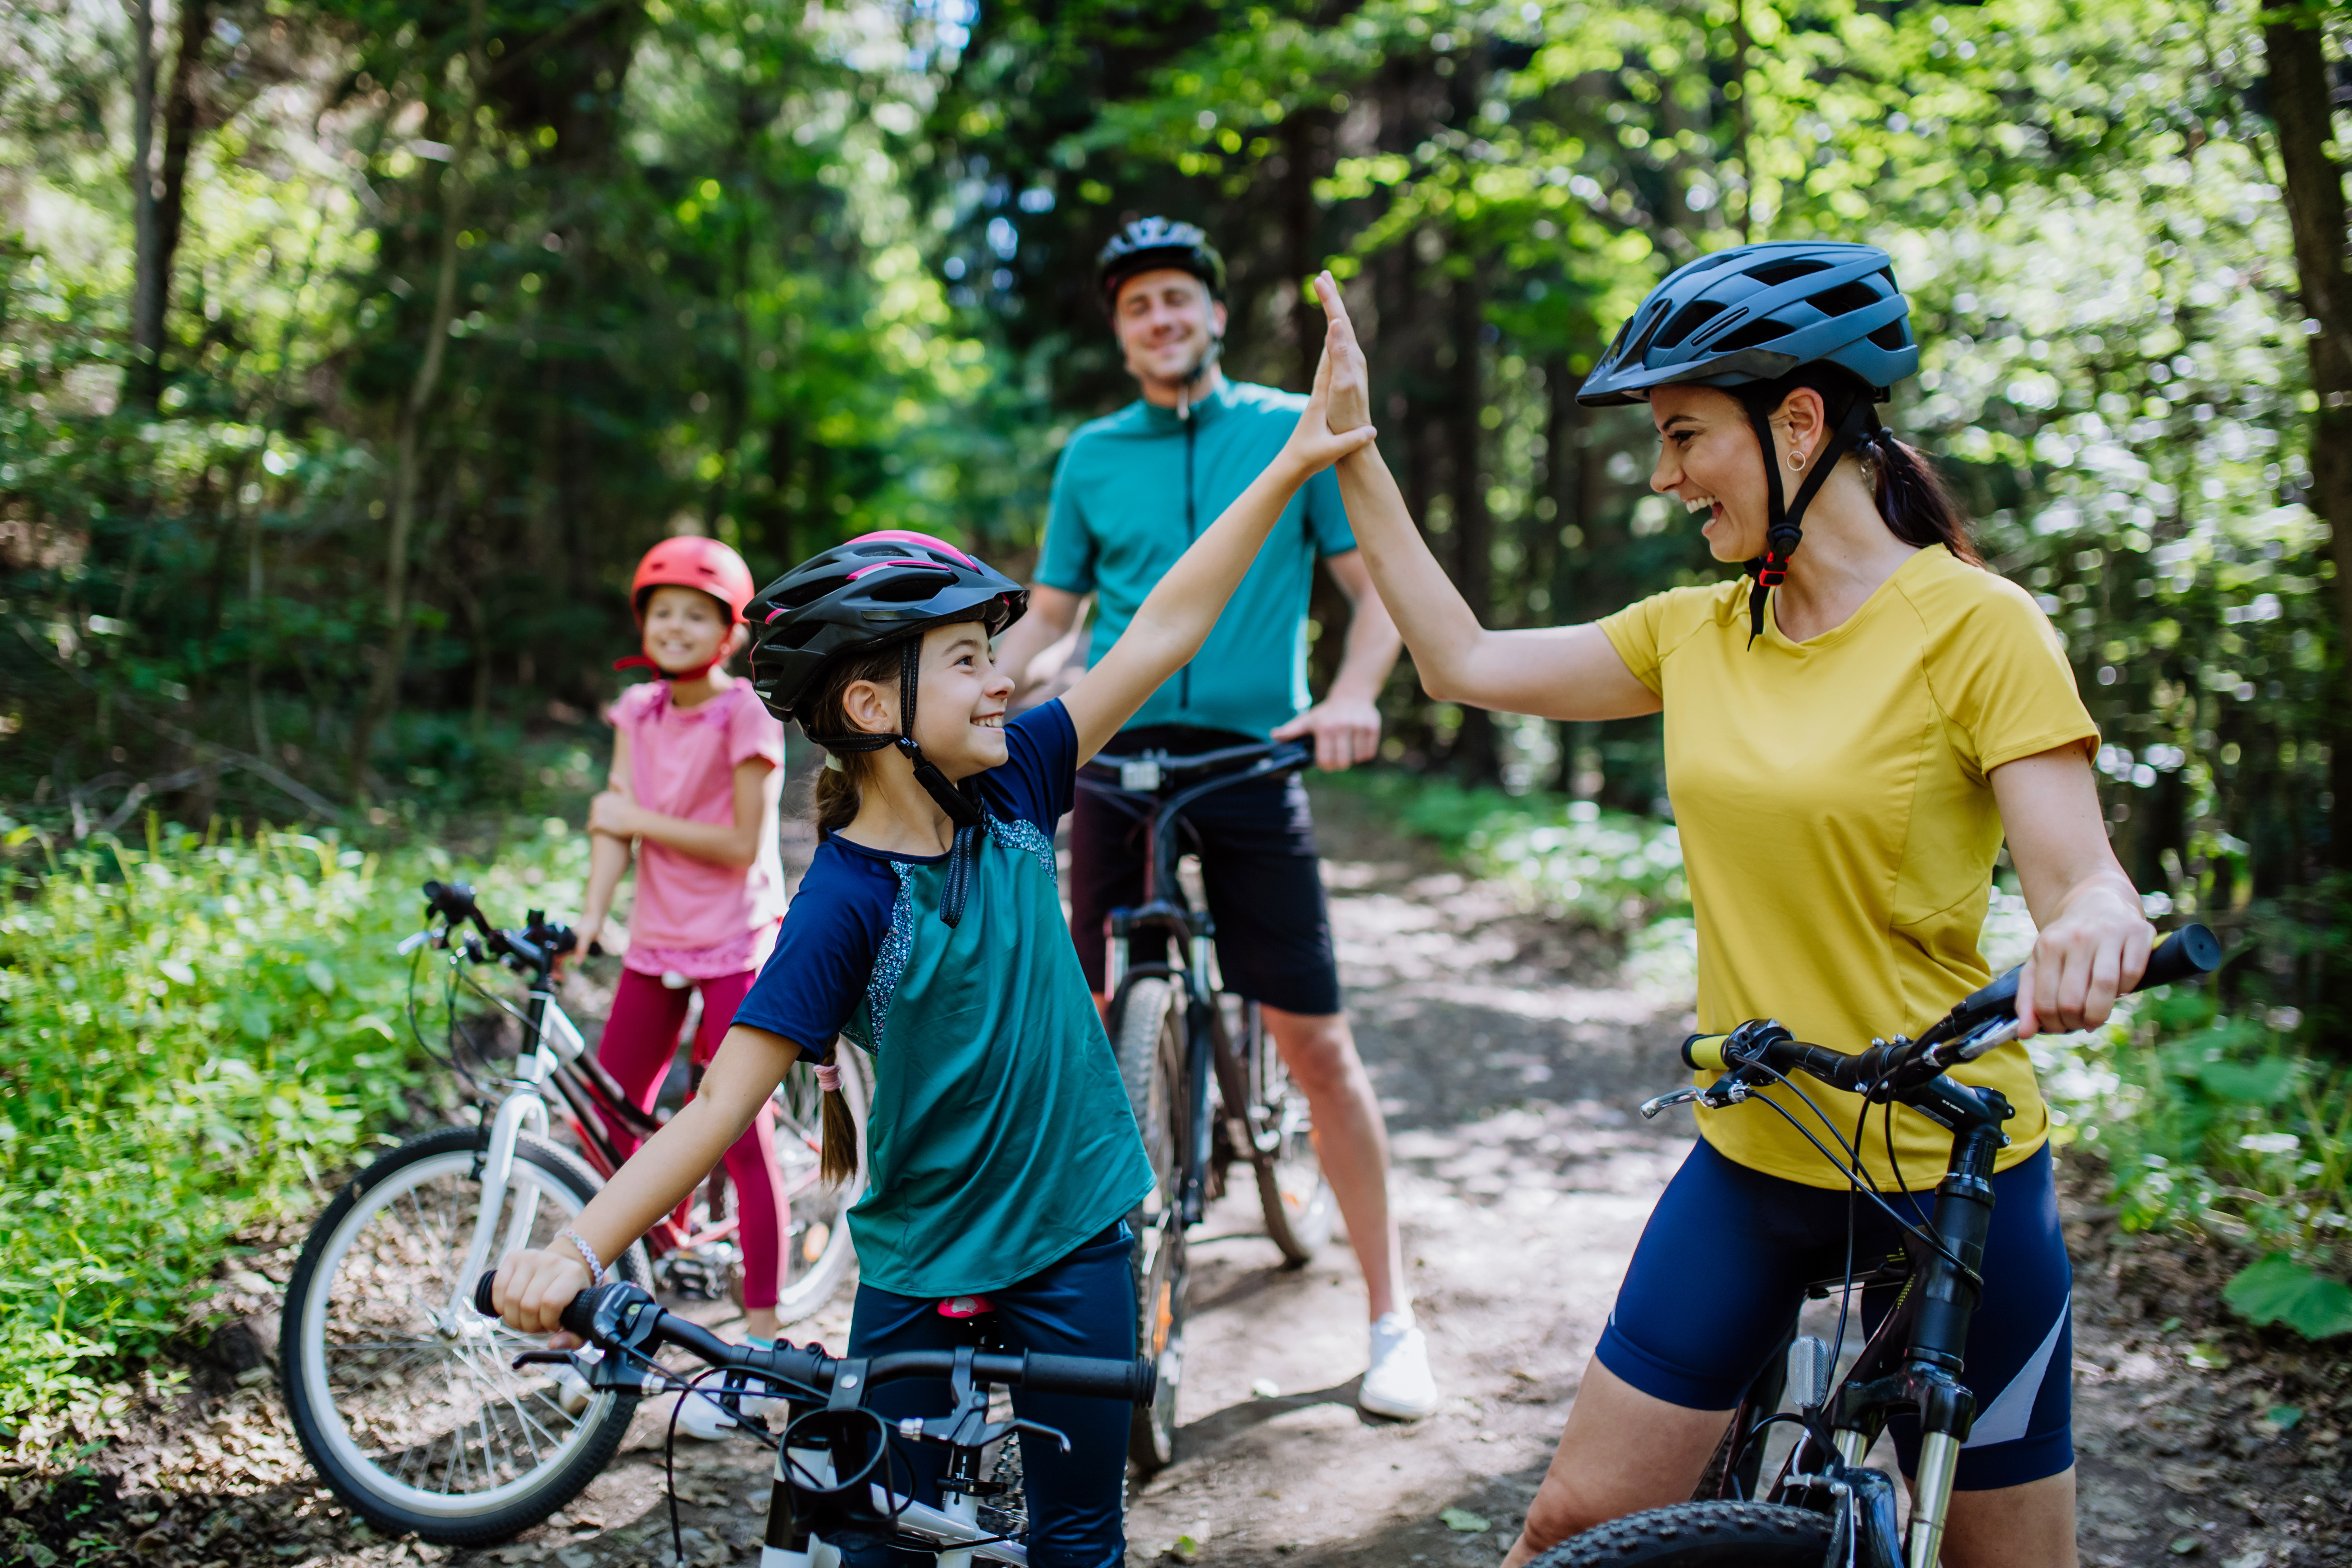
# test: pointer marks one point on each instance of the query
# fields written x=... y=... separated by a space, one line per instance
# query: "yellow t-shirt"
x=1839 y=831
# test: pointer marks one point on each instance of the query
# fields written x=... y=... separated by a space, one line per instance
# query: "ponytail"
x=837 y=1161
x=834 y=799
x=1913 y=499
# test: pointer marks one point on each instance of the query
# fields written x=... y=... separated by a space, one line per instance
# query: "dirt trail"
x=1508 y=1056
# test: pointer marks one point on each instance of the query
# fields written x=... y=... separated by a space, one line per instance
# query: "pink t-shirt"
x=698 y=918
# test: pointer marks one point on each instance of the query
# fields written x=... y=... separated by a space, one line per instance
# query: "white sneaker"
x=1398 y=1384
x=572 y=1390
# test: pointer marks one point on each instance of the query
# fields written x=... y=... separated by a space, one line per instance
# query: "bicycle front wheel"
x=404 y=1396
x=1700 y=1535
x=1148 y=1034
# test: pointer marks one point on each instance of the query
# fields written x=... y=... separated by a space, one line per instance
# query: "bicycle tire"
x=1700 y=1535
x=1292 y=1193
x=357 y=1280
x=1148 y=1034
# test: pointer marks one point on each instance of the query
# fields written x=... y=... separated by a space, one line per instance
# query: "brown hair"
x=1920 y=508
x=834 y=799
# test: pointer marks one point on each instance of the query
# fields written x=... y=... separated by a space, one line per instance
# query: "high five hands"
x=1348 y=401
x=1322 y=436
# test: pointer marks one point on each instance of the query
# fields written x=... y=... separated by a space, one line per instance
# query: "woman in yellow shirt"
x=1848 y=741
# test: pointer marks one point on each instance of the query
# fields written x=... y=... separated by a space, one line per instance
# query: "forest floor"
x=1508 y=1055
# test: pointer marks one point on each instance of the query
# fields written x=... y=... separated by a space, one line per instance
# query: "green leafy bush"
x=194 y=1034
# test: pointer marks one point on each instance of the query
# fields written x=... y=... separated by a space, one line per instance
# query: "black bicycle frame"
x=1165 y=914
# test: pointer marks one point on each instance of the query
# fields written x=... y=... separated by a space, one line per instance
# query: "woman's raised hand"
x=1351 y=376
x=1319 y=441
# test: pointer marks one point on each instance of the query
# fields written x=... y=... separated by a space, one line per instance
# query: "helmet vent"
x=797 y=635
x=1780 y=272
x=1846 y=297
x=801 y=594
x=1754 y=335
x=912 y=588
x=1894 y=336
x=1693 y=316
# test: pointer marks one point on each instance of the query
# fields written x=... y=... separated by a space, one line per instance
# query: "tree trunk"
x=143 y=280
x=1301 y=234
x=2301 y=106
x=384 y=687
x=170 y=203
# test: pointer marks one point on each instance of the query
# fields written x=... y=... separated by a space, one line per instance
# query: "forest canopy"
x=355 y=350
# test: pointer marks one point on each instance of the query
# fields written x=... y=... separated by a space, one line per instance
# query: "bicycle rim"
x=411 y=1403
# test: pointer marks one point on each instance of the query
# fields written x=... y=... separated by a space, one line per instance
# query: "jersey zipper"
x=1191 y=533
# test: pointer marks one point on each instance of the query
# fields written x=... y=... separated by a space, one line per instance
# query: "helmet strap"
x=1784 y=519
x=942 y=790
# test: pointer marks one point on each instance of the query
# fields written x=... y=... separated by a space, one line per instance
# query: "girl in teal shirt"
x=1001 y=1154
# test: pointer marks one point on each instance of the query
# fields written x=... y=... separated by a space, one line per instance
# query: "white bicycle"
x=407 y=1400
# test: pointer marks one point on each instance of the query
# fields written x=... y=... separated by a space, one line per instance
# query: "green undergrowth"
x=196 y=1030
x=2210 y=1124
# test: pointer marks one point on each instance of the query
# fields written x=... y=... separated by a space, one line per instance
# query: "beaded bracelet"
x=597 y=1273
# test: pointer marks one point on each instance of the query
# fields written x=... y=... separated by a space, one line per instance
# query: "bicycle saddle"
x=966 y=1307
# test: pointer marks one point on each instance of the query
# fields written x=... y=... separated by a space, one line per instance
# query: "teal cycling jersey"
x=1136 y=488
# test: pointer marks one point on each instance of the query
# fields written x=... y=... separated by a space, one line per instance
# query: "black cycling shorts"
x=1257 y=845
x=1724 y=1262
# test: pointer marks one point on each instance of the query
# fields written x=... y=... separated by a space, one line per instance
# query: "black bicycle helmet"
x=878 y=588
x=1153 y=242
x=1743 y=318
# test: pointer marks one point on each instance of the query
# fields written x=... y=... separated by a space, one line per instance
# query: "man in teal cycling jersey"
x=1133 y=489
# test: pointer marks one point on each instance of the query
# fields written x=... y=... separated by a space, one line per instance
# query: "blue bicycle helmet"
x=1746 y=319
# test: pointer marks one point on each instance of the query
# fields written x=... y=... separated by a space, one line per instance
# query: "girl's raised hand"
x=1351 y=376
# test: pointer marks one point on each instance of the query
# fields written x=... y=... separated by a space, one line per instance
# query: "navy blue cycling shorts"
x=1722 y=1269
x=1083 y=1305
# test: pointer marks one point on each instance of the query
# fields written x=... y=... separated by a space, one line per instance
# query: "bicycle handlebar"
x=1974 y=1027
x=538 y=944
x=599 y=1313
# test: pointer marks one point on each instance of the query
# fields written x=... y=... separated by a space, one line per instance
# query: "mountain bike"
x=1206 y=1083
x=400 y=1395
x=836 y=1474
x=1826 y=1506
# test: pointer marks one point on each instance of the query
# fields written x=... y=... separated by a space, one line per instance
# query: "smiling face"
x=1708 y=460
x=685 y=628
x=1165 y=321
x=960 y=702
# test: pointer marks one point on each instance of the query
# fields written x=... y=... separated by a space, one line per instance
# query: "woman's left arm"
x=2094 y=940
x=735 y=843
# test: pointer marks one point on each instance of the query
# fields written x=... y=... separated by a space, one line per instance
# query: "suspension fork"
x=1963 y=1218
x=1200 y=1053
x=523 y=1109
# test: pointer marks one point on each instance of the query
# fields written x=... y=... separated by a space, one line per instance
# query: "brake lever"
x=1651 y=1108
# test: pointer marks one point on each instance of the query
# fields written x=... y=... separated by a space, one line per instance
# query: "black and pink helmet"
x=876 y=588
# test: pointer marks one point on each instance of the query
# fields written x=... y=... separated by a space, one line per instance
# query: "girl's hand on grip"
x=532 y=1288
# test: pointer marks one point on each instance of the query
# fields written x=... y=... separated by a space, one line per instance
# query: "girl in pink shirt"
x=697 y=774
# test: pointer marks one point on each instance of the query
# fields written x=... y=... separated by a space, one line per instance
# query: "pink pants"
x=639 y=1039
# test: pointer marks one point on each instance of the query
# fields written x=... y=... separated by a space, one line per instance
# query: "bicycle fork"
x=524 y=1109
x=1200 y=1002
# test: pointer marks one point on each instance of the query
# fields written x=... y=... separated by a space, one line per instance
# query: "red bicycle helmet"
x=690 y=561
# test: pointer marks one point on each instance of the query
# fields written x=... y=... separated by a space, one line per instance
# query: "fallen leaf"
x=1184 y=1549
x=1462 y=1519
x=2187 y=1546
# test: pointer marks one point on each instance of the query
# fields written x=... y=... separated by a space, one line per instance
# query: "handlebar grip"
x=1704 y=1053
x=2191 y=951
x=579 y=1314
x=1133 y=1381
x=482 y=1294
